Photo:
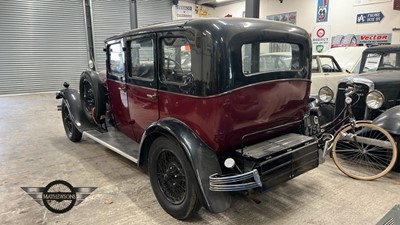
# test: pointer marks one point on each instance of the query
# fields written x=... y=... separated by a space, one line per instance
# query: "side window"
x=117 y=60
x=177 y=61
x=328 y=65
x=315 y=66
x=142 y=59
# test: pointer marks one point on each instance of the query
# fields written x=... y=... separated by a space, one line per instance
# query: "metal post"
x=133 y=14
x=252 y=9
x=87 y=10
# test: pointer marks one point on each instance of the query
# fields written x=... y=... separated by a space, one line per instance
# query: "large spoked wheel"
x=364 y=151
x=172 y=179
x=93 y=96
x=71 y=131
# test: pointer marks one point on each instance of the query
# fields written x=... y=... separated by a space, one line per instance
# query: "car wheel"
x=93 y=96
x=172 y=179
x=71 y=131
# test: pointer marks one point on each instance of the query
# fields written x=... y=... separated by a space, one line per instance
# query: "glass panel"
x=315 y=66
x=372 y=62
x=269 y=57
x=142 y=56
x=177 y=62
x=117 y=60
x=328 y=65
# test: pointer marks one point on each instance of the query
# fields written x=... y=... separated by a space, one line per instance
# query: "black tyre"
x=172 y=179
x=93 y=96
x=71 y=131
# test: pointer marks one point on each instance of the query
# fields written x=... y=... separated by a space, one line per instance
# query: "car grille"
x=359 y=107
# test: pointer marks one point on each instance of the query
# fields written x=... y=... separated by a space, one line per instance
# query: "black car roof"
x=217 y=25
x=383 y=48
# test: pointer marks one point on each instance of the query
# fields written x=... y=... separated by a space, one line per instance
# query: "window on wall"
x=116 y=60
x=269 y=57
x=142 y=59
x=177 y=61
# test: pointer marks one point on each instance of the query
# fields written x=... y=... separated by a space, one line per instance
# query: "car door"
x=142 y=83
x=117 y=87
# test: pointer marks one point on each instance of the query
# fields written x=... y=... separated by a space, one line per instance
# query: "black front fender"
x=72 y=100
x=389 y=120
x=203 y=160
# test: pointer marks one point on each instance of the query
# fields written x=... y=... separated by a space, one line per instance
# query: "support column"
x=252 y=9
x=133 y=14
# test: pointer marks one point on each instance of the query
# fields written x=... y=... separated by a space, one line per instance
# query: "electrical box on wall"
x=396 y=5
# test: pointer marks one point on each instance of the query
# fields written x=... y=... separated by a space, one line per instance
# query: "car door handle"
x=152 y=96
x=122 y=88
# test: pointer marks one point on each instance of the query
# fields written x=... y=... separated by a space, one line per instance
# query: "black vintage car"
x=378 y=86
x=193 y=102
x=379 y=83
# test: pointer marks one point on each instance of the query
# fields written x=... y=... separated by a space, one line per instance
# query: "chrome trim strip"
x=110 y=147
x=230 y=183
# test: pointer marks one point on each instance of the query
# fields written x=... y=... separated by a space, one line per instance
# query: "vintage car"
x=349 y=58
x=214 y=125
x=378 y=88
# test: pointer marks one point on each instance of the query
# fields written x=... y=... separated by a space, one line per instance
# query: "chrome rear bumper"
x=234 y=182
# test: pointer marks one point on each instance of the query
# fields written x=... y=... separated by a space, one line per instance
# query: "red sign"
x=320 y=32
x=370 y=37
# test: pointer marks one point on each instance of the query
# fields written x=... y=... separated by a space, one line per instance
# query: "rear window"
x=267 y=57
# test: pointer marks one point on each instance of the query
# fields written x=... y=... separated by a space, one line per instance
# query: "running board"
x=116 y=141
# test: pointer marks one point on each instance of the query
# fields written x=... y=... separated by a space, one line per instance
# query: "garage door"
x=154 y=11
x=43 y=44
x=109 y=18
x=113 y=17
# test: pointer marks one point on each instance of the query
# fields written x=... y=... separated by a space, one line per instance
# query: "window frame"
x=110 y=74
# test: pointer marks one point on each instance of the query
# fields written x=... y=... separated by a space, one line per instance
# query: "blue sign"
x=322 y=10
x=369 y=17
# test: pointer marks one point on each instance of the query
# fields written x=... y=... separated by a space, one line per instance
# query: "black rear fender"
x=203 y=160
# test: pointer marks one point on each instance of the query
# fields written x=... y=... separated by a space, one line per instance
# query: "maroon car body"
x=198 y=86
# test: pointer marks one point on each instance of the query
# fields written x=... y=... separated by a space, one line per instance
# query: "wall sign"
x=321 y=38
x=367 y=2
x=322 y=10
x=369 y=17
x=378 y=38
x=184 y=11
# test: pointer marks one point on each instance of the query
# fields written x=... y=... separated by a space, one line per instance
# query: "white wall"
x=342 y=15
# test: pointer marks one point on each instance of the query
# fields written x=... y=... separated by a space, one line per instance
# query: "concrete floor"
x=35 y=151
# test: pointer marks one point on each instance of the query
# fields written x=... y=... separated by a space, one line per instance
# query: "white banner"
x=183 y=11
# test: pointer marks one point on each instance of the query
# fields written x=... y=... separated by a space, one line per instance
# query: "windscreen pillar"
x=252 y=10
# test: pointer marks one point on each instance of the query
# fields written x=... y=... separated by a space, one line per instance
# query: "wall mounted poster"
x=289 y=17
x=184 y=11
x=321 y=38
x=322 y=10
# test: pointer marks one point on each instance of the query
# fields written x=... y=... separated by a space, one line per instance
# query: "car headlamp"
x=325 y=94
x=375 y=99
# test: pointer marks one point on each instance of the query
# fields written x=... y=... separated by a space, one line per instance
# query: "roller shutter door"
x=110 y=18
x=43 y=44
x=153 y=11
